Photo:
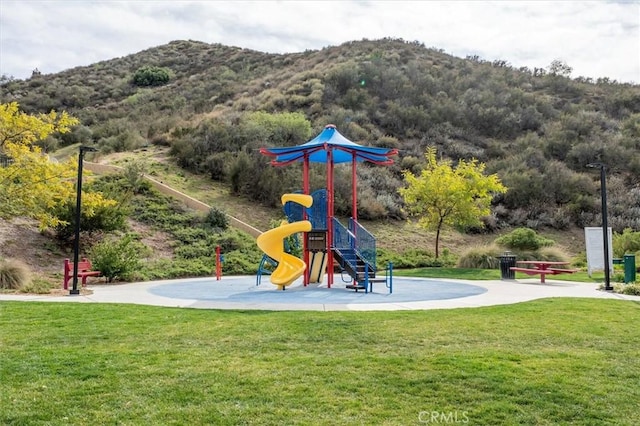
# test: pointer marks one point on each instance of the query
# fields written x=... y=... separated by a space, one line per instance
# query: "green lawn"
x=552 y=361
x=452 y=273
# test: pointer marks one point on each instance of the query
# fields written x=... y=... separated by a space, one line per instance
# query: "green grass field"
x=552 y=361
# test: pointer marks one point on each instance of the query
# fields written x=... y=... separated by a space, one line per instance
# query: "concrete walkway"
x=408 y=294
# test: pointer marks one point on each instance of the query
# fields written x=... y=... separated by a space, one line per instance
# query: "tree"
x=151 y=76
x=30 y=183
x=446 y=196
x=18 y=129
x=560 y=67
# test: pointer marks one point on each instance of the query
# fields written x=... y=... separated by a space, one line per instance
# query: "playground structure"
x=327 y=243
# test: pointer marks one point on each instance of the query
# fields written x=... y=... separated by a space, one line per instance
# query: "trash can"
x=629 y=268
x=507 y=260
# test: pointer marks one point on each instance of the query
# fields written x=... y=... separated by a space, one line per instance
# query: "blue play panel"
x=244 y=290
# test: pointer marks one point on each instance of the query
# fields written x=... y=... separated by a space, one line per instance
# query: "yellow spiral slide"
x=271 y=242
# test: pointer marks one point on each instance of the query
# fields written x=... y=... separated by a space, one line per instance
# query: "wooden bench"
x=543 y=272
x=84 y=272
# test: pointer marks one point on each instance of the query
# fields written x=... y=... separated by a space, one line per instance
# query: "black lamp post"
x=605 y=226
x=76 y=243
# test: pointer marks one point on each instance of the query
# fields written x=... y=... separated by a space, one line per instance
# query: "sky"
x=595 y=38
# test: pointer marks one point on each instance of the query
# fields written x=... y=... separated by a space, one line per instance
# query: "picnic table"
x=542 y=268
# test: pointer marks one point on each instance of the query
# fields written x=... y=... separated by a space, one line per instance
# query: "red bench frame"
x=84 y=272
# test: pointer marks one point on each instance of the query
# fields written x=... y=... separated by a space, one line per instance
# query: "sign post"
x=593 y=237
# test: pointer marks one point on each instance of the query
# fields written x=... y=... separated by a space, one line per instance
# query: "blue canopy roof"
x=343 y=150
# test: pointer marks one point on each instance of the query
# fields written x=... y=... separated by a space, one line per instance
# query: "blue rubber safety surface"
x=244 y=290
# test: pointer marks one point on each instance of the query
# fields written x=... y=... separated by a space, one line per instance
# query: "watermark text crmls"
x=443 y=417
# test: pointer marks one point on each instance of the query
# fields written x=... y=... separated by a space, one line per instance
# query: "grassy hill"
x=536 y=128
x=200 y=130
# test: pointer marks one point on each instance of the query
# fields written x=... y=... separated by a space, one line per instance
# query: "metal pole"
x=76 y=243
x=605 y=228
x=605 y=225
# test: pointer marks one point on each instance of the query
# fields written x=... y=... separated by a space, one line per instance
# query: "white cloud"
x=598 y=39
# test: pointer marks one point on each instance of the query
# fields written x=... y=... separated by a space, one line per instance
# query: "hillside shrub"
x=121 y=186
x=233 y=239
x=626 y=242
x=546 y=253
x=216 y=219
x=104 y=219
x=238 y=263
x=38 y=286
x=480 y=257
x=133 y=175
x=151 y=76
x=13 y=274
x=162 y=211
x=523 y=239
x=117 y=258
x=551 y=254
x=488 y=257
x=189 y=235
x=177 y=268
x=194 y=250
x=125 y=141
x=217 y=165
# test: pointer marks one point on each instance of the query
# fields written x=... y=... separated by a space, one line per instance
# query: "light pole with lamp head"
x=76 y=243
x=605 y=226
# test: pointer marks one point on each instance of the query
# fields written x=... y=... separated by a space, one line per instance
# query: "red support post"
x=305 y=190
x=354 y=191
x=67 y=275
x=329 y=215
x=218 y=264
